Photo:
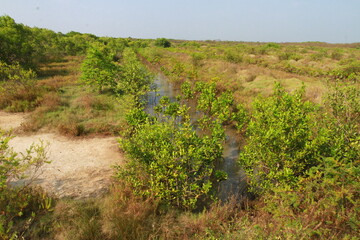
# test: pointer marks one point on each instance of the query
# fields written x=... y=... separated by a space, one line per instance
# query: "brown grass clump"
x=51 y=101
x=250 y=78
x=17 y=97
x=77 y=220
x=127 y=216
x=54 y=83
x=85 y=101
x=72 y=128
x=314 y=94
x=214 y=222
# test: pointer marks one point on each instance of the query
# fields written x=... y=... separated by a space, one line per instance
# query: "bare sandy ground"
x=79 y=168
x=12 y=120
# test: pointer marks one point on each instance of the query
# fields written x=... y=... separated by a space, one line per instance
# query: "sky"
x=333 y=21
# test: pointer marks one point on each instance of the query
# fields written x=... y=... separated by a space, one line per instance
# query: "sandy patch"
x=12 y=120
x=79 y=167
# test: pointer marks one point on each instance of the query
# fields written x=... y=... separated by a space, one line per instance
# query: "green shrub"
x=282 y=144
x=98 y=68
x=170 y=162
x=196 y=59
x=215 y=106
x=162 y=42
x=153 y=55
x=325 y=202
x=289 y=56
x=349 y=72
x=168 y=159
x=233 y=56
x=135 y=79
x=336 y=55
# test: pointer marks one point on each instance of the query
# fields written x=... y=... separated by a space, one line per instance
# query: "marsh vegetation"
x=294 y=109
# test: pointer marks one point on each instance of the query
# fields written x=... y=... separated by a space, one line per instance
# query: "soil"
x=12 y=120
x=79 y=168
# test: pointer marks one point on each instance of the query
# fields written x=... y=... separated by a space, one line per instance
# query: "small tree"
x=13 y=165
x=98 y=68
x=15 y=42
x=135 y=79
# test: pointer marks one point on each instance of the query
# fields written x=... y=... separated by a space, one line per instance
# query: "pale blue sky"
x=335 y=21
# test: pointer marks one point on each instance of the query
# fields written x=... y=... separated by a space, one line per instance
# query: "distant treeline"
x=31 y=46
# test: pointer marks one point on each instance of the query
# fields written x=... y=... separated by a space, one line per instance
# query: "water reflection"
x=235 y=185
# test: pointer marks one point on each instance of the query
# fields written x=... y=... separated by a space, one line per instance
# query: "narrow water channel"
x=235 y=184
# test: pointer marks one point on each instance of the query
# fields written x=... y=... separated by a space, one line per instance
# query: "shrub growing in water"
x=134 y=79
x=98 y=68
x=171 y=162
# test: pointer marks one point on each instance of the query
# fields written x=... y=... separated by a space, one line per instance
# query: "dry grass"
x=123 y=215
x=54 y=83
x=51 y=101
x=127 y=216
x=77 y=112
x=77 y=220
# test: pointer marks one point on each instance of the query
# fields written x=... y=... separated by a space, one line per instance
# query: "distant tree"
x=98 y=68
x=46 y=45
x=135 y=79
x=77 y=43
x=162 y=42
x=15 y=42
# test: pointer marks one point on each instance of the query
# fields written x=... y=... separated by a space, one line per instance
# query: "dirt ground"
x=79 y=168
x=12 y=120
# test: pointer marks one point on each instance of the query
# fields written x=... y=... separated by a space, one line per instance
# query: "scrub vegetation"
x=295 y=108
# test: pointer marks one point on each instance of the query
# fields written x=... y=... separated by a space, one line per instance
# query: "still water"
x=235 y=184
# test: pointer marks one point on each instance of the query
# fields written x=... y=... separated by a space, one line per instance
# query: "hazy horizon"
x=227 y=20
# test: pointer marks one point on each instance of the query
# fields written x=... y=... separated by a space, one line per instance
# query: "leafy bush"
x=349 y=72
x=215 y=106
x=233 y=56
x=196 y=59
x=179 y=164
x=162 y=42
x=134 y=79
x=343 y=105
x=336 y=55
x=98 y=68
x=171 y=163
x=282 y=144
x=317 y=56
x=289 y=56
x=153 y=55
x=15 y=42
x=326 y=198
